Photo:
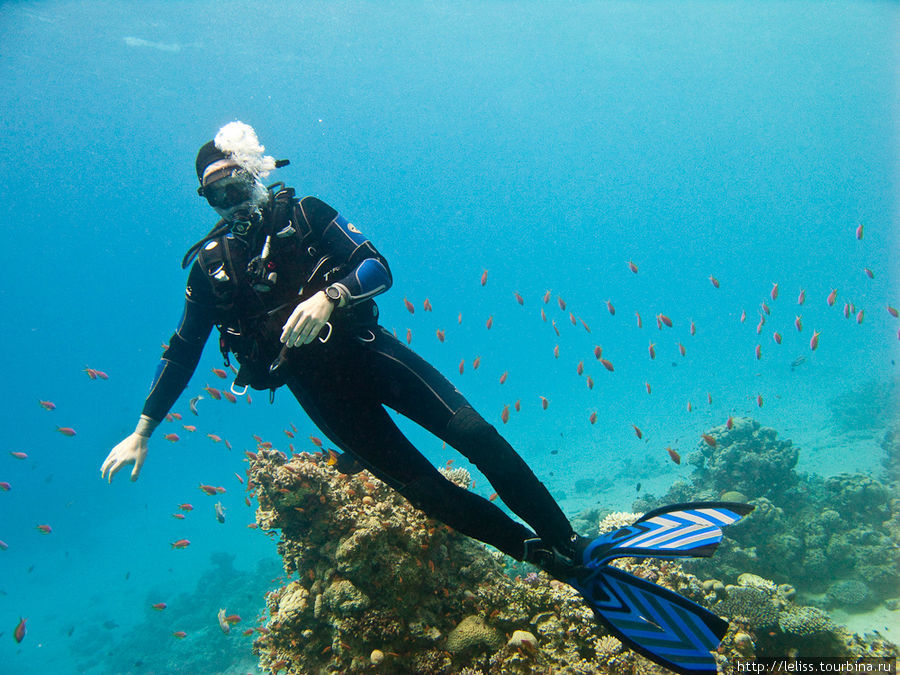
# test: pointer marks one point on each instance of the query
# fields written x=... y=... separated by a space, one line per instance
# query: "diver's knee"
x=467 y=425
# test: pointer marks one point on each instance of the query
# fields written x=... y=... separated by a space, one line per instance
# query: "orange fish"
x=492 y=497
x=859 y=316
x=580 y=368
x=227 y=444
x=693 y=328
x=893 y=312
x=609 y=306
x=185 y=507
x=504 y=414
x=814 y=341
x=213 y=392
x=218 y=372
x=714 y=281
x=572 y=319
x=846 y=310
x=229 y=396
x=232 y=618
x=239 y=477
x=666 y=320
x=590 y=382
x=673 y=454
x=159 y=606
x=174 y=438
x=859 y=231
x=652 y=351
x=484 y=278
x=802 y=297
x=556 y=351
x=517 y=405
x=18 y=455
x=831 y=297
x=759 y=400
x=288 y=433
x=180 y=516
x=332 y=458
x=408 y=336
x=777 y=337
x=504 y=376
x=489 y=322
x=758 y=352
x=774 y=293
x=561 y=302
x=647 y=386
x=710 y=441
x=426 y=306
x=215 y=438
x=181 y=543
x=729 y=423
x=546 y=297
x=44 y=529
x=19 y=632
x=519 y=298
x=208 y=489
x=586 y=327
x=476 y=363
x=798 y=322
x=690 y=406
x=765 y=308
x=743 y=316
x=459 y=318
x=176 y=415
x=607 y=365
x=681 y=348
x=409 y=306
x=632 y=267
x=189 y=427
x=869 y=273
x=462 y=366
x=639 y=322
x=637 y=431
x=180 y=634
x=544 y=402
x=440 y=335
x=598 y=352
x=593 y=417
x=66 y=431
x=759 y=326
x=48 y=405
x=249 y=631
x=543 y=315
x=709 y=398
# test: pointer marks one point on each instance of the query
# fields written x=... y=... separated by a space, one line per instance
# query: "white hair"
x=239 y=141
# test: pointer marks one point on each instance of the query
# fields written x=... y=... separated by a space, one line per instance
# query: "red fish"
x=66 y=431
x=710 y=441
x=101 y=374
x=758 y=352
x=893 y=312
x=229 y=396
x=544 y=402
x=639 y=322
x=440 y=335
x=802 y=297
x=774 y=292
x=632 y=267
x=48 y=405
x=674 y=455
x=859 y=231
x=637 y=431
x=459 y=318
x=593 y=418
x=713 y=281
x=44 y=529
x=19 y=632
x=777 y=337
x=598 y=352
x=288 y=433
x=493 y=497
x=208 y=489
x=484 y=278
x=647 y=386
x=743 y=316
x=590 y=382
x=232 y=618
x=693 y=328
x=607 y=365
x=759 y=326
x=409 y=306
x=5 y=486
x=759 y=400
x=586 y=327
x=504 y=376
x=859 y=316
x=666 y=320
x=172 y=437
x=517 y=405
x=814 y=340
x=690 y=406
x=555 y=329
x=18 y=455
x=408 y=336
x=186 y=507
x=476 y=363
x=798 y=322
x=519 y=298
x=159 y=606
x=180 y=516
x=765 y=308
x=426 y=306
x=709 y=398
x=91 y=373
x=609 y=306
x=218 y=372
x=462 y=366
x=831 y=297
x=181 y=543
x=504 y=414
x=561 y=303
x=249 y=631
x=189 y=427
x=652 y=351
x=180 y=634
x=489 y=322
x=869 y=273
x=729 y=423
x=572 y=319
x=213 y=392
x=239 y=477
x=846 y=310
x=580 y=368
x=546 y=297
x=681 y=348
x=556 y=351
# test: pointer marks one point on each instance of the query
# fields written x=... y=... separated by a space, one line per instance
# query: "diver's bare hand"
x=132 y=450
x=307 y=320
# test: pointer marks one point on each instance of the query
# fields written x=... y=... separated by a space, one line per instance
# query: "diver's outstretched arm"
x=131 y=450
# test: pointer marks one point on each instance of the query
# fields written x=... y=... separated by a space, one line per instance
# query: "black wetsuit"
x=344 y=383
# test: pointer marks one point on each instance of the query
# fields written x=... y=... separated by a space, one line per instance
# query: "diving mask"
x=229 y=191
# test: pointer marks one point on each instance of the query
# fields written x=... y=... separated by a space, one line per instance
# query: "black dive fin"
x=675 y=531
x=663 y=626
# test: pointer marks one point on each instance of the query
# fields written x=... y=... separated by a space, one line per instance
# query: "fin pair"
x=663 y=626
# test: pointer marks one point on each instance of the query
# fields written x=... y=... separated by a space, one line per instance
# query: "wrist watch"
x=334 y=294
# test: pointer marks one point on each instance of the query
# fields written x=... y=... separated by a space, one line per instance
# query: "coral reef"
x=372 y=581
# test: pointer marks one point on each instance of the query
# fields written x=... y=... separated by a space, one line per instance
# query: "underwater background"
x=548 y=144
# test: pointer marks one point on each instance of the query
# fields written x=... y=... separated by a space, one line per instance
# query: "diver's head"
x=229 y=170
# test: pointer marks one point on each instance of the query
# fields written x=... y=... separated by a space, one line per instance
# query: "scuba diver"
x=289 y=284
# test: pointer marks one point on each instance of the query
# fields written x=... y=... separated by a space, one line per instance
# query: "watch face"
x=333 y=293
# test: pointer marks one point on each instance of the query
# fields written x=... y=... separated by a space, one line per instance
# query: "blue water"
x=548 y=143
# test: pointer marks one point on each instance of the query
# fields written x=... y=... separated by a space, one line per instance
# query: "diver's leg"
x=364 y=428
x=414 y=388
